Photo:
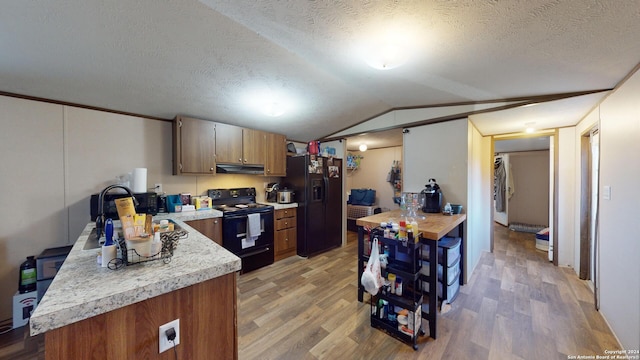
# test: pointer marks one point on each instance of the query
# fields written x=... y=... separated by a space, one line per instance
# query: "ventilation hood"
x=239 y=169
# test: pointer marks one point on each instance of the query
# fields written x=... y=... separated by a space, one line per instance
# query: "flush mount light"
x=363 y=147
x=273 y=109
x=387 y=56
x=529 y=127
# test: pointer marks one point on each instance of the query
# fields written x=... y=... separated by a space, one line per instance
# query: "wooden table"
x=433 y=228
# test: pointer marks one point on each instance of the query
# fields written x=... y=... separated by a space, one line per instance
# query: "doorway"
x=589 y=185
x=528 y=153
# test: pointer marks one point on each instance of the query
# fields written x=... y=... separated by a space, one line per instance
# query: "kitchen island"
x=433 y=228
x=93 y=312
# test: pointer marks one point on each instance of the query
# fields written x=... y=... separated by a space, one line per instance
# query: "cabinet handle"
x=286 y=223
x=211 y=169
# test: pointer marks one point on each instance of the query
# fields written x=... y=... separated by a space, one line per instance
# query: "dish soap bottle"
x=27 y=280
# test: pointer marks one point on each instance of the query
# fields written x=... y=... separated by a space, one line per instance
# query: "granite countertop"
x=82 y=289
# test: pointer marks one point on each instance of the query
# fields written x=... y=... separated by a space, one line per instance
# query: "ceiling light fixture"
x=273 y=109
x=529 y=127
x=363 y=147
x=387 y=56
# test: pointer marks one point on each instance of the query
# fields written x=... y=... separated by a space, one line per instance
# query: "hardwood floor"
x=516 y=305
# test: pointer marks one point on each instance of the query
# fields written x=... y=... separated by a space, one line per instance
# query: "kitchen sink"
x=93 y=242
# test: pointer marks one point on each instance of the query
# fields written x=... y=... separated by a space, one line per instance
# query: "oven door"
x=234 y=238
x=254 y=254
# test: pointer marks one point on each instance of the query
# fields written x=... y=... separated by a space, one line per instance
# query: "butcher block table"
x=433 y=228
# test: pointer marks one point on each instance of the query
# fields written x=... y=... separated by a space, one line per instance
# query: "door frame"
x=553 y=206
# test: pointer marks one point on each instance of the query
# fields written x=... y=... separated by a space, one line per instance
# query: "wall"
x=567 y=158
x=459 y=159
x=480 y=198
x=372 y=174
x=56 y=156
x=530 y=202
x=618 y=216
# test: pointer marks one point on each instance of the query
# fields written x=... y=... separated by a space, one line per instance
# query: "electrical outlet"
x=165 y=344
x=158 y=188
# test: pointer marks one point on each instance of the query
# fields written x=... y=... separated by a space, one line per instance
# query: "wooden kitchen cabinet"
x=285 y=237
x=211 y=228
x=276 y=160
x=194 y=147
x=236 y=145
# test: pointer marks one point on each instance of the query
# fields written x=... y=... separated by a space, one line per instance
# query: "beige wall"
x=530 y=201
x=372 y=174
x=56 y=156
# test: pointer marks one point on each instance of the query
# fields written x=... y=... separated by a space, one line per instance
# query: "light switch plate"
x=606 y=192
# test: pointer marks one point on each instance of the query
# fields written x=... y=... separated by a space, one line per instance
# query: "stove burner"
x=238 y=201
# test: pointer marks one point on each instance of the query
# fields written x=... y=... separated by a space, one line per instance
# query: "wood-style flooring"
x=516 y=305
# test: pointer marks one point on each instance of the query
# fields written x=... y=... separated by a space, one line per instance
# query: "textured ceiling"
x=220 y=60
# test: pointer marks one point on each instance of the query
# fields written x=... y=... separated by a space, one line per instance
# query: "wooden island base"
x=208 y=319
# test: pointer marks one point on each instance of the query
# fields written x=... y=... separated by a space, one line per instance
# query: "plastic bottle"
x=27 y=279
x=402 y=233
x=156 y=245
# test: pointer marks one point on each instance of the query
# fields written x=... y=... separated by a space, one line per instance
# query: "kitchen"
x=71 y=149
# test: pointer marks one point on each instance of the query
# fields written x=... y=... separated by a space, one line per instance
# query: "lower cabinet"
x=285 y=237
x=211 y=228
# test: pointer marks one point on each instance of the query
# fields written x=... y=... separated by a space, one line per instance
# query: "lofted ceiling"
x=225 y=60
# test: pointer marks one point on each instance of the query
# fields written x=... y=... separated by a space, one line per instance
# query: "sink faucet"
x=100 y=218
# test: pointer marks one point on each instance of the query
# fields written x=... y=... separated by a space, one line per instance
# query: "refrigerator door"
x=315 y=215
x=333 y=204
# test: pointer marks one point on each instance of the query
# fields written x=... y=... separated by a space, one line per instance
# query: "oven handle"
x=254 y=252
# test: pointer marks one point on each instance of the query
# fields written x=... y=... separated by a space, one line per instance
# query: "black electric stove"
x=237 y=205
x=240 y=201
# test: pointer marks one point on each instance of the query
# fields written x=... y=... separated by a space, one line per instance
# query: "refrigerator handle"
x=326 y=189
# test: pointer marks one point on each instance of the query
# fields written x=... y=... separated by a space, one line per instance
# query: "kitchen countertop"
x=433 y=227
x=277 y=206
x=82 y=289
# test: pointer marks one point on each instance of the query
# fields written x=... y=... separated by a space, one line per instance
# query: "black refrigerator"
x=317 y=185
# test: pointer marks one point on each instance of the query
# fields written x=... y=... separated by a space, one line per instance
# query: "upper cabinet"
x=194 y=146
x=200 y=145
x=276 y=161
x=236 y=145
x=253 y=143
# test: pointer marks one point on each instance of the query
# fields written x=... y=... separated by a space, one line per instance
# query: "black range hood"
x=239 y=169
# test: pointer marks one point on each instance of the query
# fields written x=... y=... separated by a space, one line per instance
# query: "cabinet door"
x=228 y=144
x=194 y=146
x=253 y=146
x=285 y=243
x=276 y=160
x=211 y=228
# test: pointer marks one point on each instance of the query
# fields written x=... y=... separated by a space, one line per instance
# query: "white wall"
x=56 y=156
x=372 y=174
x=437 y=151
x=480 y=199
x=460 y=159
x=567 y=159
x=619 y=217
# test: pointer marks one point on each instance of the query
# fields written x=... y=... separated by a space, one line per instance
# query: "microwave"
x=147 y=204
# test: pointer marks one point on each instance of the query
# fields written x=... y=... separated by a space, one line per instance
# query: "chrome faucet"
x=100 y=218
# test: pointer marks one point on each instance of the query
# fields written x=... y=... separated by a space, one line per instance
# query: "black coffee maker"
x=432 y=197
x=272 y=192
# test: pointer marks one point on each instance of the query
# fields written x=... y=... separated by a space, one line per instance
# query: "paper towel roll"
x=108 y=254
x=139 y=180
